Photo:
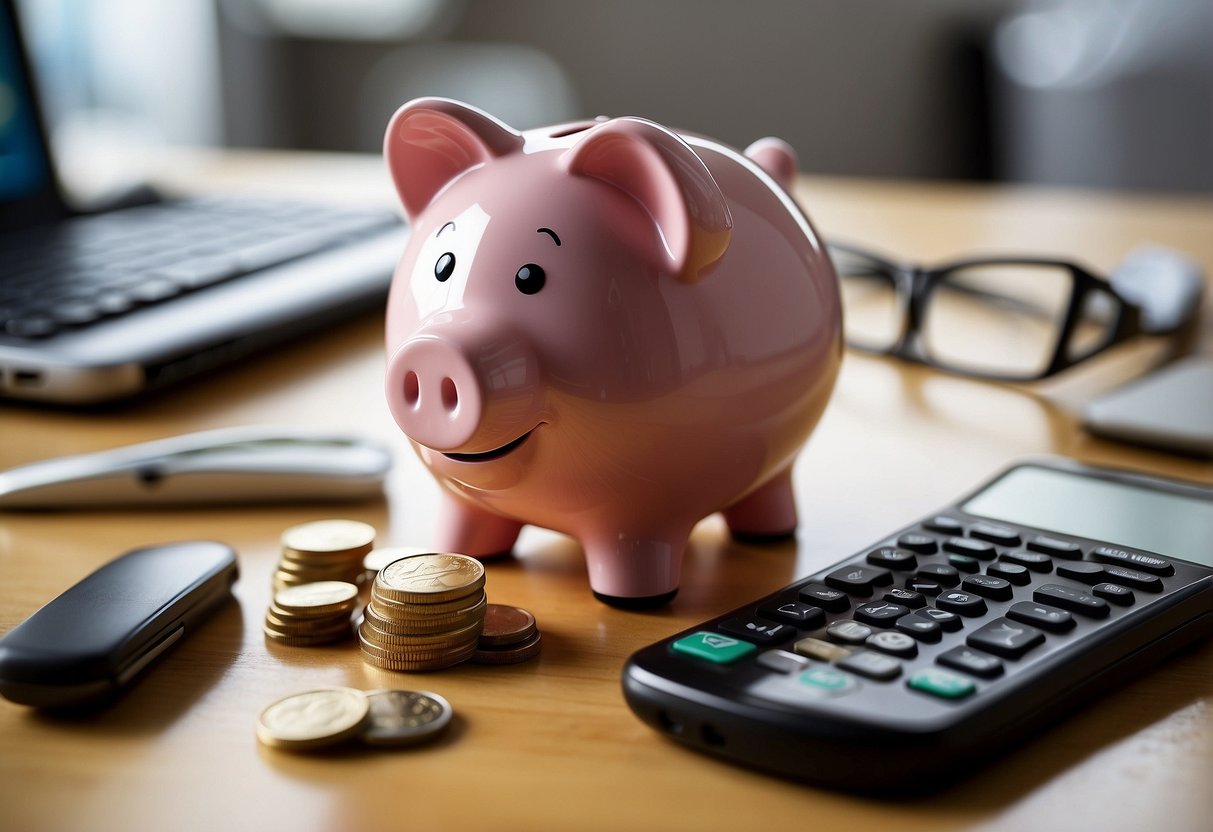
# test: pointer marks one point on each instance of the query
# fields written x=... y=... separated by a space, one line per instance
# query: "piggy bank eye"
x=529 y=279
x=445 y=267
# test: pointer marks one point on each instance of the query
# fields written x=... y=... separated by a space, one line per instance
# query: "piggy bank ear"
x=660 y=171
x=431 y=141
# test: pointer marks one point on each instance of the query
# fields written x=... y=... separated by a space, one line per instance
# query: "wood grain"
x=550 y=744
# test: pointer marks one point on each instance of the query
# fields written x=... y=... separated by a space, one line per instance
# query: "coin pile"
x=426 y=612
x=323 y=718
x=311 y=614
x=323 y=550
x=509 y=636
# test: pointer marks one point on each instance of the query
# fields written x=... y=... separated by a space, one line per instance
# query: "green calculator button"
x=827 y=680
x=714 y=647
x=942 y=683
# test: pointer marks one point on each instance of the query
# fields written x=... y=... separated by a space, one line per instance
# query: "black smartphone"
x=92 y=640
x=899 y=667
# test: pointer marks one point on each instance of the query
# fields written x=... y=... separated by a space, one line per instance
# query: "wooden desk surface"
x=550 y=744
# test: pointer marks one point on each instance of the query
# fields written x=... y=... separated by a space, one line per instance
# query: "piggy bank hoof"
x=643 y=602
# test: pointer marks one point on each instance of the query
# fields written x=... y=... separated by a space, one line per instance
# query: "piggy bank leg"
x=469 y=530
x=636 y=571
x=766 y=515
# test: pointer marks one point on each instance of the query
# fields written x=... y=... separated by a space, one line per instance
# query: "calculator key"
x=830 y=600
x=972 y=548
x=1067 y=549
x=861 y=580
x=880 y=613
x=1042 y=616
x=923 y=629
x=1085 y=571
x=1002 y=535
x=781 y=661
x=923 y=544
x=1071 y=599
x=1134 y=560
x=758 y=630
x=815 y=648
x=964 y=563
x=961 y=603
x=1012 y=572
x=1117 y=594
x=798 y=613
x=1133 y=578
x=944 y=524
x=895 y=644
x=1005 y=638
x=988 y=586
x=849 y=632
x=971 y=661
x=949 y=622
x=826 y=681
x=713 y=647
x=924 y=586
x=941 y=573
x=797 y=689
x=892 y=558
x=942 y=683
x=1036 y=561
x=906 y=597
x=873 y=665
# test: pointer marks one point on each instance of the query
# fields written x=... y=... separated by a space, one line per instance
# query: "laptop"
x=100 y=307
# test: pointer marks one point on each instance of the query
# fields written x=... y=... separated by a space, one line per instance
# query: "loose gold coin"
x=317 y=598
x=434 y=578
x=314 y=719
x=329 y=536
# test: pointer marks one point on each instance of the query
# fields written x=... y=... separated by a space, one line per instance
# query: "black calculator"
x=905 y=664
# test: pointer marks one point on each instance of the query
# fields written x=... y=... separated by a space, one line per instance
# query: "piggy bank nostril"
x=450 y=395
x=412 y=389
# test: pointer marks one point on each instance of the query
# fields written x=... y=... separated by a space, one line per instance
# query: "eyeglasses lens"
x=1003 y=319
x=871 y=315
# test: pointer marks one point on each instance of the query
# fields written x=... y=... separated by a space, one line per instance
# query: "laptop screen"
x=28 y=192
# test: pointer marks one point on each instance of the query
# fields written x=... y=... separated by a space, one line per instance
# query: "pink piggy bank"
x=607 y=329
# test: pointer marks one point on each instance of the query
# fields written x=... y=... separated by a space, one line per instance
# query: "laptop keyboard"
x=96 y=268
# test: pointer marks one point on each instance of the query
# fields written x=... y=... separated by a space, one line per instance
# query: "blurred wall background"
x=1097 y=93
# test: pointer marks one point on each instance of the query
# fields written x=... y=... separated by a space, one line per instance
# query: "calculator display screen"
x=1113 y=512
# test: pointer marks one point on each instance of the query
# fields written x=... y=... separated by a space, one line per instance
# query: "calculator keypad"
x=964 y=604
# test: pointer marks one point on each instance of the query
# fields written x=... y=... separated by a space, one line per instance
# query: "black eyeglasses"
x=1010 y=318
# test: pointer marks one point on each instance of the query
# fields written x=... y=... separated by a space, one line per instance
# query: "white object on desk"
x=1171 y=408
x=230 y=465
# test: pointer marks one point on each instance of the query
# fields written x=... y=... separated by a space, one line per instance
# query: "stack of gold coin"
x=323 y=550
x=425 y=613
x=311 y=614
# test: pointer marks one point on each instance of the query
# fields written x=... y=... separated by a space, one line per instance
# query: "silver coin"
x=405 y=717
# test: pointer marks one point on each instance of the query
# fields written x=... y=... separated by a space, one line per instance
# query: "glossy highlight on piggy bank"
x=604 y=328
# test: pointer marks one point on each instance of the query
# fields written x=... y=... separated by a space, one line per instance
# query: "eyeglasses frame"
x=914 y=285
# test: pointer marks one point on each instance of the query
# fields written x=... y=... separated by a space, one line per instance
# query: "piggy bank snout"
x=433 y=393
